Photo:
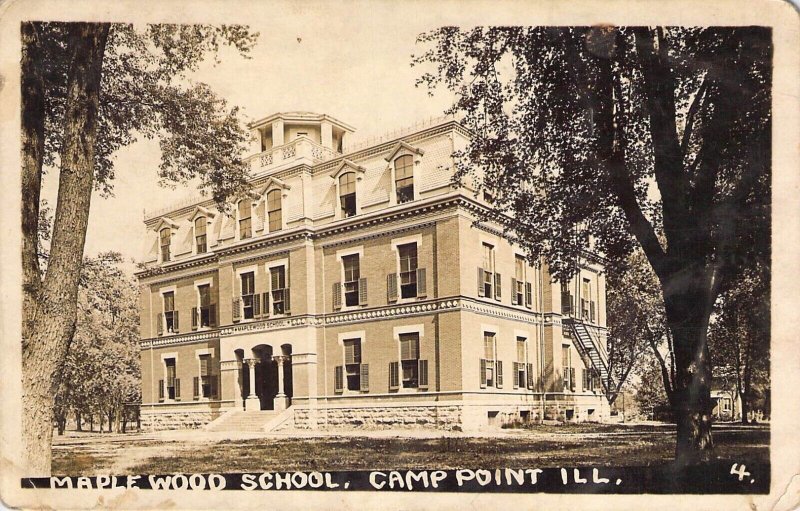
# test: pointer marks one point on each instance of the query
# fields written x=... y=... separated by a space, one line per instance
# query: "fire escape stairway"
x=591 y=351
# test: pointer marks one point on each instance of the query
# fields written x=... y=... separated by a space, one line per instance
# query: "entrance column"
x=252 y=403
x=281 y=401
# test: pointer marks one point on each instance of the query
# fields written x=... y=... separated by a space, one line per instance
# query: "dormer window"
x=404 y=178
x=347 y=194
x=245 y=223
x=200 y=242
x=166 y=237
x=274 y=214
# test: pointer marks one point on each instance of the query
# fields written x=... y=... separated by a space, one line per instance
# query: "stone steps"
x=243 y=421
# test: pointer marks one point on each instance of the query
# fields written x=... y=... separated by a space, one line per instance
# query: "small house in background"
x=727 y=402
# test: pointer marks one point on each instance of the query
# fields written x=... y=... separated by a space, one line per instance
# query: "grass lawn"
x=573 y=445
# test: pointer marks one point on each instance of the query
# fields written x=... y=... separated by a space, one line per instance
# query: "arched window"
x=166 y=235
x=245 y=225
x=274 y=210
x=200 y=235
x=347 y=193
x=404 y=178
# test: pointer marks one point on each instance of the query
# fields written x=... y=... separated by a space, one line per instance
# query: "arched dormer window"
x=274 y=213
x=245 y=220
x=404 y=178
x=347 y=194
x=165 y=236
x=200 y=240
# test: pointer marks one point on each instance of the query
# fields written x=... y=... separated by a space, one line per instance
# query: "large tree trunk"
x=687 y=304
x=46 y=338
x=33 y=113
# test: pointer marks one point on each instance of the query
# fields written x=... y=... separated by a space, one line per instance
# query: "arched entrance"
x=271 y=377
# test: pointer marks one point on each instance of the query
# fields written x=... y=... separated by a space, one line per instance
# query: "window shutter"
x=499 y=365
x=337 y=295
x=423 y=374
x=391 y=287
x=572 y=379
x=175 y=324
x=265 y=303
x=194 y=318
x=236 y=308
x=513 y=291
x=338 y=379
x=483 y=373
x=364 y=377
x=212 y=314
x=480 y=282
x=584 y=378
x=591 y=311
x=177 y=389
x=529 y=374
x=196 y=388
x=516 y=373
x=422 y=287
x=394 y=375
x=498 y=279
x=528 y=295
x=256 y=305
x=362 y=291
x=215 y=387
x=160 y=390
x=160 y=323
x=287 y=302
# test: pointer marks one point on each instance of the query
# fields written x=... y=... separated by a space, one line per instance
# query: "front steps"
x=238 y=420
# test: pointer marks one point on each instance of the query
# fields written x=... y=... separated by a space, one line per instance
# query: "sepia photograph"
x=340 y=247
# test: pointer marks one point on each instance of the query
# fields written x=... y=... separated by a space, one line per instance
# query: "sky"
x=356 y=71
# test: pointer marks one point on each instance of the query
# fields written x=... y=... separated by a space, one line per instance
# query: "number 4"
x=739 y=471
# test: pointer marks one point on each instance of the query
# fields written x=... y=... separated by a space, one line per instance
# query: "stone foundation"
x=189 y=419
x=380 y=417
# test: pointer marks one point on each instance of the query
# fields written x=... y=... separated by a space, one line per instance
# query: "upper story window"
x=566 y=300
x=347 y=194
x=587 y=304
x=409 y=358
x=280 y=292
x=170 y=314
x=200 y=235
x=206 y=312
x=519 y=280
x=408 y=270
x=245 y=220
x=488 y=278
x=352 y=274
x=166 y=238
x=173 y=385
x=404 y=178
x=248 y=293
x=275 y=217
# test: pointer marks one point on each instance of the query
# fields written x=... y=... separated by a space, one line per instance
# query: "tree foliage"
x=625 y=137
x=101 y=372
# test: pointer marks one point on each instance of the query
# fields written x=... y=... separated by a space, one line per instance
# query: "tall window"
x=519 y=274
x=566 y=364
x=274 y=210
x=248 y=293
x=278 y=281
x=200 y=235
x=566 y=299
x=171 y=379
x=352 y=363
x=347 y=193
x=170 y=316
x=521 y=359
x=205 y=305
x=404 y=178
x=166 y=235
x=352 y=272
x=488 y=269
x=409 y=358
x=489 y=354
x=408 y=270
x=245 y=220
x=587 y=304
x=205 y=375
